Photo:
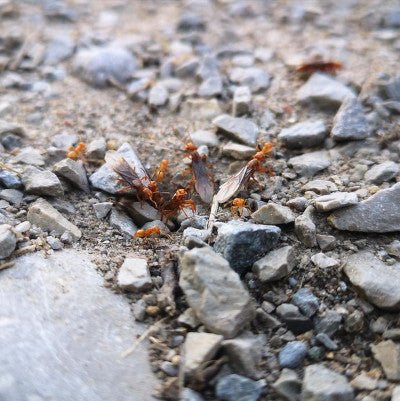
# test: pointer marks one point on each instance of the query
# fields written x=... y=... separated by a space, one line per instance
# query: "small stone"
x=187 y=394
x=376 y=280
x=54 y=243
x=393 y=249
x=275 y=265
x=292 y=354
x=8 y=241
x=122 y=222
x=191 y=22
x=273 y=213
x=41 y=182
x=187 y=68
x=324 y=262
x=98 y=65
x=74 y=171
x=64 y=140
x=364 y=382
x=387 y=353
x=238 y=388
x=30 y=156
x=324 y=91
x=391 y=18
x=169 y=369
x=214 y=291
x=139 y=310
x=354 y=322
x=288 y=385
x=241 y=101
x=296 y=322
x=67 y=238
x=309 y=164
x=380 y=173
x=23 y=227
x=200 y=109
x=204 y=137
x=102 y=209
x=243 y=243
x=12 y=195
x=305 y=228
x=238 y=151
x=158 y=95
x=378 y=214
x=192 y=232
x=336 y=200
x=326 y=341
x=326 y=242
x=321 y=187
x=241 y=129
x=254 y=78
x=198 y=349
x=323 y=384
x=143 y=213
x=96 y=149
x=211 y=87
x=134 y=275
x=306 y=301
x=189 y=319
x=300 y=203
x=350 y=122
x=302 y=135
x=396 y=394
x=10 y=179
x=59 y=49
x=45 y=216
x=164 y=230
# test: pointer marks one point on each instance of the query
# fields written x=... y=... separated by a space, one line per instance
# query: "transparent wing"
x=232 y=185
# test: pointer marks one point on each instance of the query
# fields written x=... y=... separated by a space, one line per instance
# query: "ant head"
x=190 y=147
x=267 y=148
x=181 y=193
x=164 y=163
x=148 y=192
x=238 y=202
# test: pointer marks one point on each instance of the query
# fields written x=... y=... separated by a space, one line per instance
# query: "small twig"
x=6 y=265
x=23 y=251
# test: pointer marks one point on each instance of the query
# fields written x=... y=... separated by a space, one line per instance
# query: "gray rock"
x=96 y=149
x=391 y=18
x=393 y=249
x=275 y=265
x=288 y=385
x=73 y=171
x=292 y=354
x=210 y=87
x=324 y=262
x=378 y=214
x=273 y=213
x=30 y=156
x=256 y=79
x=326 y=242
x=387 y=353
x=122 y=222
x=241 y=101
x=187 y=394
x=191 y=232
x=309 y=164
x=12 y=195
x=59 y=49
x=326 y=341
x=41 y=182
x=215 y=292
x=296 y=322
x=204 y=137
x=64 y=140
x=305 y=134
x=299 y=203
x=241 y=129
x=191 y=22
x=238 y=388
x=10 y=179
x=8 y=241
x=306 y=301
x=66 y=321
x=364 y=382
x=396 y=394
x=382 y=172
x=55 y=243
x=392 y=88
x=7 y=127
x=102 y=209
x=322 y=187
x=329 y=324
x=243 y=243
x=305 y=228
x=238 y=151
x=158 y=95
x=142 y=213
x=336 y=200
x=200 y=109
x=376 y=280
x=187 y=68
x=198 y=349
x=350 y=122
x=324 y=91
x=45 y=216
x=323 y=384
x=98 y=65
x=134 y=275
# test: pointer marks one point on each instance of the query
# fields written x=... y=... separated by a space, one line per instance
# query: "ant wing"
x=126 y=172
x=233 y=185
x=203 y=182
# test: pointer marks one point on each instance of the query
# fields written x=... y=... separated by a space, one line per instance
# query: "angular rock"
x=203 y=137
x=305 y=228
x=122 y=222
x=323 y=384
x=350 y=122
x=336 y=200
x=326 y=242
x=324 y=262
x=288 y=385
x=364 y=382
x=275 y=265
x=198 y=349
x=102 y=209
x=41 y=182
x=134 y=275
x=12 y=195
x=376 y=280
x=158 y=95
x=238 y=151
x=387 y=353
x=322 y=187
x=306 y=301
x=393 y=249
x=241 y=101
x=142 y=213
x=309 y=164
x=324 y=91
x=243 y=243
x=326 y=341
x=396 y=394
x=214 y=291
x=292 y=354
x=8 y=241
x=200 y=109
x=273 y=213
x=211 y=87
x=187 y=394
x=329 y=324
x=378 y=214
x=10 y=179
x=254 y=78
x=305 y=134
x=30 y=156
x=45 y=216
x=382 y=172
x=59 y=49
x=96 y=149
x=238 y=388
x=296 y=322
x=74 y=171
x=241 y=129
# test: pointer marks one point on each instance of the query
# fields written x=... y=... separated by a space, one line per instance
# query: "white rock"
x=134 y=275
x=336 y=200
x=323 y=261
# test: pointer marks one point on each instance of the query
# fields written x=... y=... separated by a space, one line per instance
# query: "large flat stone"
x=62 y=335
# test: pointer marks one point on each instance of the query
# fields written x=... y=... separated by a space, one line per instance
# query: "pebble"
x=102 y=209
x=324 y=262
x=59 y=49
x=191 y=22
x=387 y=353
x=169 y=369
x=306 y=301
x=30 y=156
x=22 y=227
x=336 y=200
x=158 y=95
x=134 y=275
x=309 y=164
x=243 y=243
x=354 y=322
x=241 y=129
x=322 y=384
x=322 y=187
x=378 y=281
x=255 y=78
x=292 y=355
x=296 y=322
x=198 y=349
x=273 y=213
x=275 y=265
x=12 y=195
x=238 y=388
x=96 y=149
x=10 y=179
x=45 y=216
x=378 y=214
x=200 y=109
x=326 y=341
x=41 y=182
x=305 y=228
x=122 y=222
x=98 y=65
x=142 y=213
x=392 y=88
x=324 y=91
x=204 y=137
x=393 y=249
x=187 y=394
x=302 y=135
x=391 y=18
x=73 y=171
x=8 y=241
x=364 y=382
x=326 y=242
x=300 y=203
x=396 y=394
x=382 y=172
x=350 y=122
x=210 y=87
x=288 y=385
x=241 y=102
x=238 y=151
x=55 y=243
x=214 y=292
